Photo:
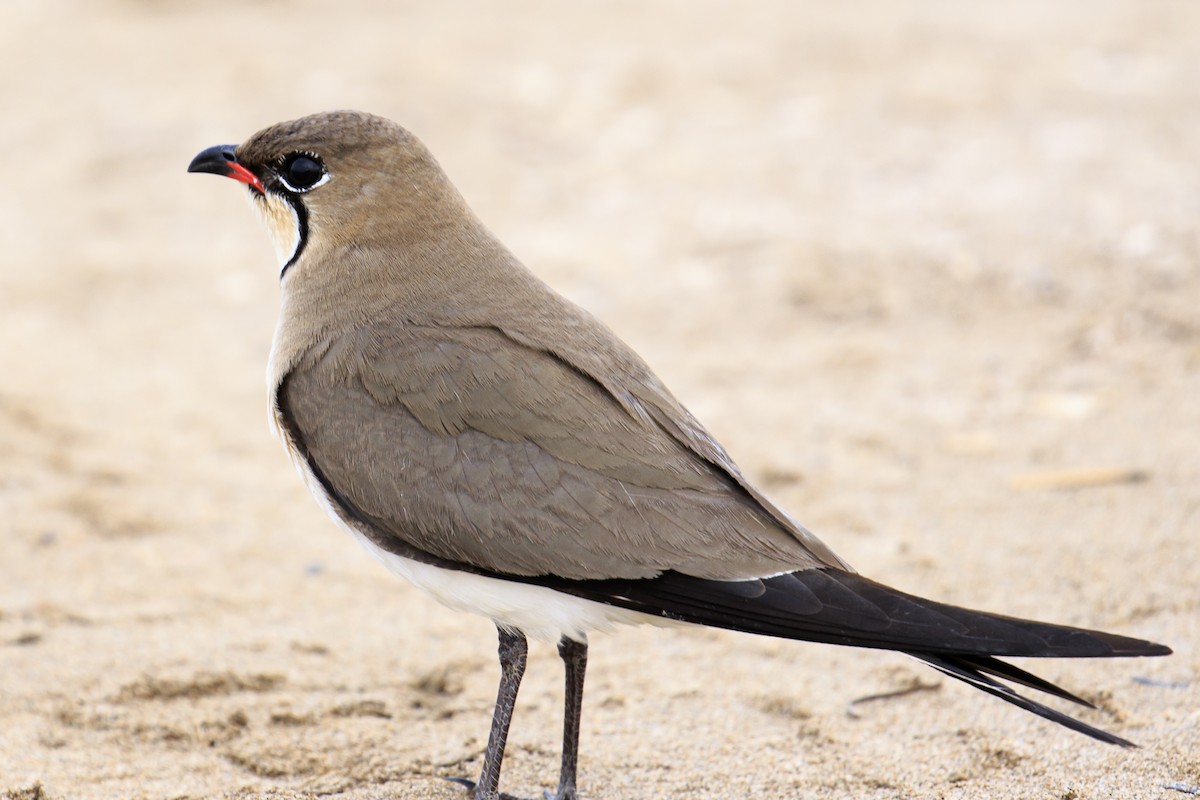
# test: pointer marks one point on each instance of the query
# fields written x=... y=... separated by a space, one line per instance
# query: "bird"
x=503 y=450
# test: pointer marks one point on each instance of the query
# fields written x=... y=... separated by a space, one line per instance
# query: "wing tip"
x=1118 y=646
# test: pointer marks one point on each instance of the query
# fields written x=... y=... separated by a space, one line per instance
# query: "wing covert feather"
x=467 y=445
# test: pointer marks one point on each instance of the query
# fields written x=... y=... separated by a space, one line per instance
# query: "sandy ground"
x=905 y=261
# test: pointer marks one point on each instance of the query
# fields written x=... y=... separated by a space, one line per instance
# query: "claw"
x=470 y=785
x=466 y=783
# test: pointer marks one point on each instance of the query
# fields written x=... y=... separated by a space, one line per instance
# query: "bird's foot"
x=470 y=786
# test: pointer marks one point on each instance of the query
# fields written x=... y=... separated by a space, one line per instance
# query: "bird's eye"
x=302 y=172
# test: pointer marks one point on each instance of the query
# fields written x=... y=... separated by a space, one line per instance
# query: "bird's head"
x=336 y=180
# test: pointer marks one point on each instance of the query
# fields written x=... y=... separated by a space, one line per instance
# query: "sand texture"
x=931 y=272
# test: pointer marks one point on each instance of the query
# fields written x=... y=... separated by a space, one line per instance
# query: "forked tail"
x=837 y=607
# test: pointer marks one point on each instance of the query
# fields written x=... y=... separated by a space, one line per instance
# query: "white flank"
x=538 y=612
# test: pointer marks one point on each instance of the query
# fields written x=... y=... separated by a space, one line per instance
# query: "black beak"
x=220 y=160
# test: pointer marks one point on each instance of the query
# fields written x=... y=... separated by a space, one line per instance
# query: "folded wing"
x=467 y=445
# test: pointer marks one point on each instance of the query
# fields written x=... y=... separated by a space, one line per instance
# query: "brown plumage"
x=503 y=449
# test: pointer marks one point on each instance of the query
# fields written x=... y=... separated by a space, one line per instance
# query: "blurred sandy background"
x=909 y=262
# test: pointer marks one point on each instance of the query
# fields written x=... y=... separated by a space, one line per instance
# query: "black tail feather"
x=837 y=607
x=966 y=672
x=1002 y=669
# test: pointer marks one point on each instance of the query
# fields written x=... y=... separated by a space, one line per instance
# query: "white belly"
x=538 y=612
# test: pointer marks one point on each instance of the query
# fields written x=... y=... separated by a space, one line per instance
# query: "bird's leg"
x=574 y=656
x=513 y=650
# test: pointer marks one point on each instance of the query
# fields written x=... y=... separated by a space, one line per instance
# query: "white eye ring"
x=286 y=166
x=324 y=180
